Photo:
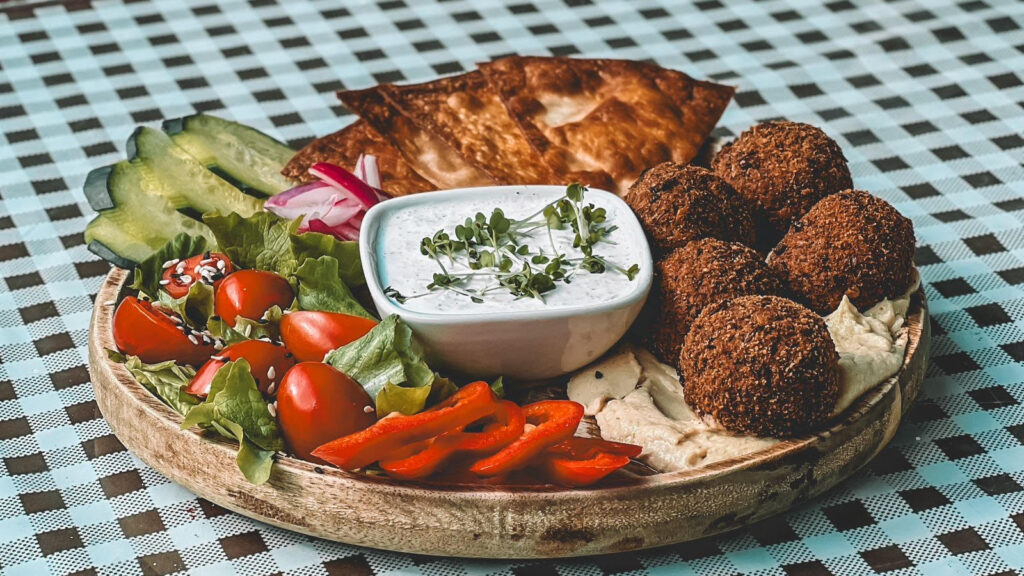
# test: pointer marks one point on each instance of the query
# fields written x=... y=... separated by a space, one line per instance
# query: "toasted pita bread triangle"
x=343 y=149
x=611 y=117
x=427 y=154
x=469 y=116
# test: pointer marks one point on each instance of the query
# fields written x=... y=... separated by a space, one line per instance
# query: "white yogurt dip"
x=403 y=268
x=639 y=400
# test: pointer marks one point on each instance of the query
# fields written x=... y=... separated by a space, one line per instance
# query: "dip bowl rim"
x=385 y=306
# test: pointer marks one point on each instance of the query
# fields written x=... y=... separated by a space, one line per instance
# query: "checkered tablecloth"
x=924 y=96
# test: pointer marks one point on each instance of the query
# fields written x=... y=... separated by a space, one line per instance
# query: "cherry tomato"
x=140 y=330
x=250 y=293
x=311 y=335
x=317 y=404
x=267 y=361
x=206 y=268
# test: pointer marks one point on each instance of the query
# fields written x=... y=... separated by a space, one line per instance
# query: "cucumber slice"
x=182 y=179
x=242 y=155
x=140 y=220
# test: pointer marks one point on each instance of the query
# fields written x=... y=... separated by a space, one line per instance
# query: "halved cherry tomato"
x=209 y=268
x=390 y=436
x=311 y=335
x=316 y=404
x=140 y=330
x=552 y=422
x=267 y=361
x=250 y=293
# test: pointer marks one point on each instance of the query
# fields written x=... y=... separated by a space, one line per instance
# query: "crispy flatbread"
x=343 y=149
x=427 y=154
x=615 y=117
x=469 y=116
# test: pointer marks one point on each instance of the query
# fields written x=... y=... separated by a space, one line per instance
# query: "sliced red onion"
x=282 y=198
x=335 y=203
x=345 y=181
x=368 y=171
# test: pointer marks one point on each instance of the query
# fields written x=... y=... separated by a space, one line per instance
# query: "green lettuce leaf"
x=236 y=409
x=165 y=380
x=195 y=308
x=261 y=241
x=266 y=242
x=246 y=329
x=319 y=288
x=315 y=245
x=147 y=274
x=388 y=360
x=498 y=387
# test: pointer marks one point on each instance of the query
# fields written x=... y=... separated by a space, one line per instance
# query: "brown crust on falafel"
x=702 y=273
x=783 y=168
x=677 y=203
x=852 y=244
x=761 y=365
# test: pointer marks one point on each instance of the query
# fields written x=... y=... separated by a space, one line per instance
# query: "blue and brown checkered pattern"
x=925 y=97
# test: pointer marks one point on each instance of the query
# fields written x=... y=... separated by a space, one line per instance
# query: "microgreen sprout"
x=495 y=247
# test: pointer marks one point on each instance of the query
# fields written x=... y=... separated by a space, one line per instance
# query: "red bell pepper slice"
x=393 y=433
x=568 y=471
x=500 y=430
x=552 y=422
x=581 y=448
x=582 y=461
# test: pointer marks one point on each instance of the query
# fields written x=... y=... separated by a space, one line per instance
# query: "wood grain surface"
x=630 y=512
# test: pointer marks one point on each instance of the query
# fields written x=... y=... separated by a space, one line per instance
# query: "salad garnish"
x=498 y=248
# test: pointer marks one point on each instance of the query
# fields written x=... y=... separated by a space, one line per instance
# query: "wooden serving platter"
x=630 y=512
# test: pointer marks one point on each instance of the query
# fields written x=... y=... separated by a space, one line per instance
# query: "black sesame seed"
x=598 y=374
x=318 y=470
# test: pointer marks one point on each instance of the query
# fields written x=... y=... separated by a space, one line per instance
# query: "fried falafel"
x=761 y=365
x=783 y=168
x=852 y=244
x=702 y=273
x=677 y=203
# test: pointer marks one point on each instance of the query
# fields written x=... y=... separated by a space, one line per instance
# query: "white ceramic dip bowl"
x=520 y=339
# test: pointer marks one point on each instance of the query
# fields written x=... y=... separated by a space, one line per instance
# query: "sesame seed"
x=220 y=264
x=186 y=279
x=176 y=320
x=165 y=282
x=206 y=261
x=272 y=408
x=218 y=345
x=272 y=388
x=193 y=339
x=368 y=409
x=271 y=373
x=110 y=302
x=170 y=263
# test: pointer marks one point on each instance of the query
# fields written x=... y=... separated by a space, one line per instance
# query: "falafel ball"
x=852 y=244
x=677 y=203
x=702 y=273
x=761 y=365
x=783 y=168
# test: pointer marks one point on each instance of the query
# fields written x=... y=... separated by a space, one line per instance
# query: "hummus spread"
x=637 y=399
